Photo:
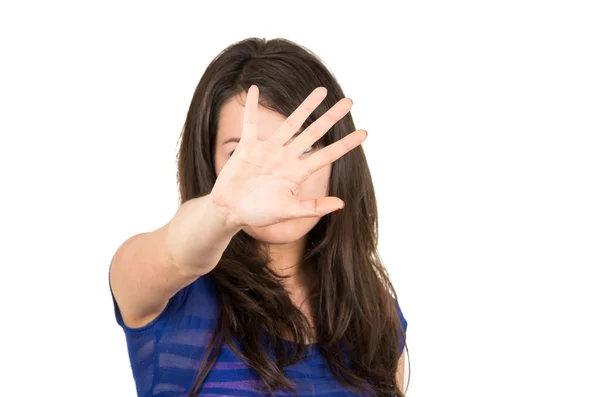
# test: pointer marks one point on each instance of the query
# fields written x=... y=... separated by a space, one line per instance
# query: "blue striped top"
x=165 y=355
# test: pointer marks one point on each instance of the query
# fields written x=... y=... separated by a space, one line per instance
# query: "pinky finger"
x=250 y=114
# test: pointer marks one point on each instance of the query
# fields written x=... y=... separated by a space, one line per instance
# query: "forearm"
x=209 y=239
x=149 y=268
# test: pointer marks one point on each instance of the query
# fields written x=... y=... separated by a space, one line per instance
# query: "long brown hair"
x=356 y=324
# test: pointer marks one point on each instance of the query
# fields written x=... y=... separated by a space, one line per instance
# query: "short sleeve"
x=173 y=305
x=404 y=326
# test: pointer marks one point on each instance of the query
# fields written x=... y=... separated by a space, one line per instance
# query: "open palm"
x=258 y=184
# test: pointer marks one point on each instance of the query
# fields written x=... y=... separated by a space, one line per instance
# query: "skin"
x=285 y=240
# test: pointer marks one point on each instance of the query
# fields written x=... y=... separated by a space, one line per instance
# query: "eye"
x=310 y=149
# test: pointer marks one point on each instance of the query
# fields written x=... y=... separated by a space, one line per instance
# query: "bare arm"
x=257 y=186
x=144 y=274
x=400 y=371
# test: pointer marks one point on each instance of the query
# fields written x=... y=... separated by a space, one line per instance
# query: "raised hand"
x=258 y=184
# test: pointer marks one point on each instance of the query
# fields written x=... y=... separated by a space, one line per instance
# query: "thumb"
x=316 y=207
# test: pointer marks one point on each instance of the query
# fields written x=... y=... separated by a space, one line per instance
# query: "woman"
x=267 y=279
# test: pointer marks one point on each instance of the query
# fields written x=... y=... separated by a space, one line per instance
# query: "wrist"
x=224 y=216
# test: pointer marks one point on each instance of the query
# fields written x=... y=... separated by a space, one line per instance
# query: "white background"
x=483 y=120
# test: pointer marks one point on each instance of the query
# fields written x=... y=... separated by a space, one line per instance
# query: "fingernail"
x=366 y=133
x=351 y=101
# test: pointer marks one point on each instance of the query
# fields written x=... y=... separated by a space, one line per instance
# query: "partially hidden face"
x=229 y=131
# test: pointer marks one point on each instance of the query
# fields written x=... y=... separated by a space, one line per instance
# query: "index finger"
x=334 y=151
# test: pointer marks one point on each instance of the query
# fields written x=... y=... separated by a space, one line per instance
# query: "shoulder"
x=404 y=325
x=403 y=320
x=198 y=299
